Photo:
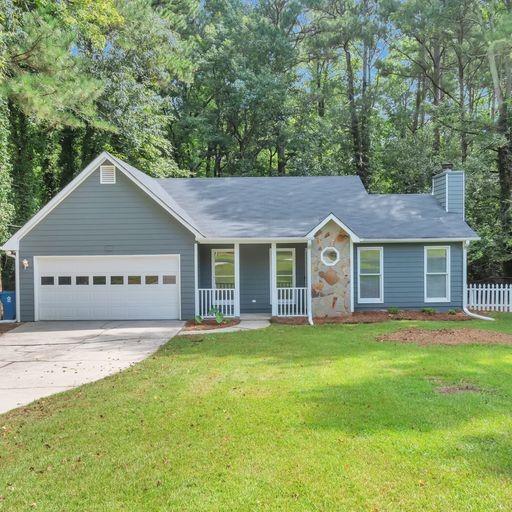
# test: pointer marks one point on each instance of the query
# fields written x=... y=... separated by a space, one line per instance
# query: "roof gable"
x=145 y=184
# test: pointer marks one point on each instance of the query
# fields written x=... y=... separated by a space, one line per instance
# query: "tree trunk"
x=360 y=159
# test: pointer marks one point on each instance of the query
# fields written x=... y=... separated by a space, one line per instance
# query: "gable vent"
x=107 y=174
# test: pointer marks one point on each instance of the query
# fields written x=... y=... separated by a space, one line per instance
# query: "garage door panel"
x=99 y=299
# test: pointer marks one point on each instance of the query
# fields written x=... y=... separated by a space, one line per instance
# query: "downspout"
x=465 y=284
x=16 y=286
x=308 y=274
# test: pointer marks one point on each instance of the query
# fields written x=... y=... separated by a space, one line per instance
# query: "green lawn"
x=287 y=418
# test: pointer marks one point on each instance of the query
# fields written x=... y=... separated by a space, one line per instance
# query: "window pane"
x=116 y=280
x=436 y=286
x=284 y=281
x=224 y=263
x=436 y=260
x=370 y=261
x=169 y=279
x=99 y=280
x=134 y=280
x=151 y=280
x=369 y=287
x=64 y=280
x=284 y=262
x=81 y=280
x=47 y=280
x=224 y=281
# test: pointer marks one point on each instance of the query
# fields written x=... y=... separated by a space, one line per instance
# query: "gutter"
x=465 y=287
x=308 y=263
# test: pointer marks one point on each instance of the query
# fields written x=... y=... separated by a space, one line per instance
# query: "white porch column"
x=196 y=280
x=308 y=282
x=273 y=277
x=237 y=278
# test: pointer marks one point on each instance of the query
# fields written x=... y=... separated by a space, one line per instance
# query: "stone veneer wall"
x=330 y=285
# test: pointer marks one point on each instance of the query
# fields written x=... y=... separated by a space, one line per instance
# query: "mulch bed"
x=462 y=336
x=210 y=324
x=7 y=327
x=370 y=317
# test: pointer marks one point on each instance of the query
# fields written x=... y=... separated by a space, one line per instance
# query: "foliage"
x=386 y=89
x=393 y=310
x=217 y=314
x=429 y=311
x=198 y=319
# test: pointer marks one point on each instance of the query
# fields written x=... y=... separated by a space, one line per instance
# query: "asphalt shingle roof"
x=267 y=207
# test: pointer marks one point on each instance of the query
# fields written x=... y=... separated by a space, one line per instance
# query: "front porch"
x=270 y=279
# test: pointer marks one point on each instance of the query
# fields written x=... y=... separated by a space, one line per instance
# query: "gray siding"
x=404 y=278
x=108 y=219
x=254 y=273
x=454 y=203
x=456 y=192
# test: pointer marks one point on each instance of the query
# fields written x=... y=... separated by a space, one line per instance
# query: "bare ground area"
x=370 y=317
x=462 y=336
x=208 y=325
x=7 y=327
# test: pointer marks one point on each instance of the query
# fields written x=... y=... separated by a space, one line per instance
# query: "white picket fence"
x=216 y=299
x=490 y=297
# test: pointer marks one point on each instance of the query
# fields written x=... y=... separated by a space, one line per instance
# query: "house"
x=118 y=244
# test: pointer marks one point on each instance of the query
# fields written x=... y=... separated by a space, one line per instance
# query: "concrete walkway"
x=39 y=359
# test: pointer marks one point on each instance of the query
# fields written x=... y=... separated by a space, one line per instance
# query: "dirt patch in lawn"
x=462 y=336
x=7 y=327
x=458 y=388
x=208 y=325
x=370 y=317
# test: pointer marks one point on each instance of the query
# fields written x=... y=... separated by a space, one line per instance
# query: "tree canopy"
x=385 y=89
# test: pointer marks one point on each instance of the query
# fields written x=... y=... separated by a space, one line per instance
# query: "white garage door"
x=107 y=287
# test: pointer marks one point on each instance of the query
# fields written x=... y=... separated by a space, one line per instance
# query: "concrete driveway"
x=39 y=359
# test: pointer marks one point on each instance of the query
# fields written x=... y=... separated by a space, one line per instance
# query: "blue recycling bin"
x=8 y=300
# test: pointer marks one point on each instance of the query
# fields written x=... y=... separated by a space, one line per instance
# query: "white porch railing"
x=490 y=297
x=221 y=299
x=292 y=302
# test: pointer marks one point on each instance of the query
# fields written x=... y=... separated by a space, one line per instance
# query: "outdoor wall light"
x=24 y=262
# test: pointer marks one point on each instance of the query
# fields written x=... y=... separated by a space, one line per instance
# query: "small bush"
x=452 y=311
x=198 y=319
x=393 y=310
x=429 y=311
x=219 y=316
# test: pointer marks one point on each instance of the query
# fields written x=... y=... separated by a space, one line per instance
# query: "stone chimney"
x=448 y=188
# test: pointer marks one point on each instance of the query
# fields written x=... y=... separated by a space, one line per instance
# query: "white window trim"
x=273 y=274
x=294 y=264
x=448 y=273
x=375 y=300
x=213 y=253
x=329 y=263
x=109 y=168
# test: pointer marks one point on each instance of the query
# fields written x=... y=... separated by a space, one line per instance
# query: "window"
x=151 y=280
x=169 y=279
x=116 y=280
x=107 y=174
x=134 y=280
x=223 y=268
x=371 y=277
x=437 y=274
x=82 y=280
x=64 y=280
x=99 y=280
x=285 y=268
x=330 y=256
x=47 y=280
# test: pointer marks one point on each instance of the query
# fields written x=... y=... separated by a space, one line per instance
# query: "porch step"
x=255 y=316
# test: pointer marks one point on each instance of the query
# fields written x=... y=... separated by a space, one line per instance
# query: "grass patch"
x=288 y=418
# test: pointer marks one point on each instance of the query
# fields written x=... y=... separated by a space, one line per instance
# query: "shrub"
x=198 y=319
x=219 y=316
x=428 y=311
x=393 y=310
x=452 y=311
